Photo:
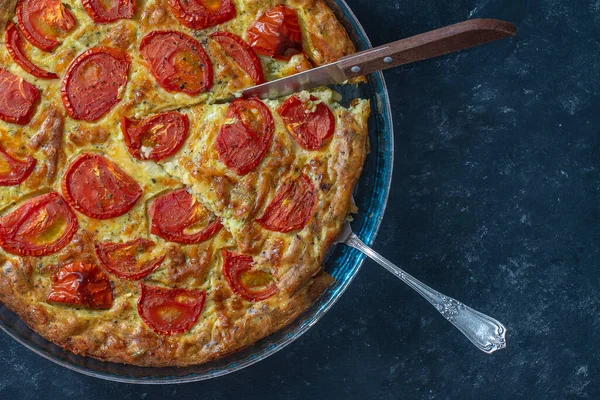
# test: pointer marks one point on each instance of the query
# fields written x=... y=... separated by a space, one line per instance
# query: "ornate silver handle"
x=483 y=331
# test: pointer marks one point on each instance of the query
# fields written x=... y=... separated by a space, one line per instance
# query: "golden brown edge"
x=351 y=138
x=245 y=332
x=326 y=37
x=7 y=8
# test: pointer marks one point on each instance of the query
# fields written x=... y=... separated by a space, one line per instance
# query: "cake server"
x=415 y=48
x=485 y=332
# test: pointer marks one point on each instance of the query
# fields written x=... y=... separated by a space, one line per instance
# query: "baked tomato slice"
x=42 y=225
x=170 y=311
x=253 y=285
x=177 y=61
x=310 y=122
x=17 y=98
x=292 y=207
x=14 y=45
x=242 y=53
x=102 y=11
x=276 y=33
x=156 y=137
x=44 y=22
x=81 y=284
x=243 y=141
x=14 y=171
x=200 y=14
x=94 y=82
x=178 y=217
x=99 y=188
x=131 y=260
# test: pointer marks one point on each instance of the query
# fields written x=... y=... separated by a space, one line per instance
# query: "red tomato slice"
x=102 y=11
x=14 y=45
x=170 y=311
x=251 y=285
x=292 y=207
x=200 y=14
x=156 y=137
x=243 y=144
x=276 y=33
x=309 y=123
x=40 y=226
x=17 y=98
x=98 y=188
x=14 y=171
x=82 y=284
x=94 y=82
x=43 y=22
x=128 y=260
x=178 y=217
x=243 y=54
x=177 y=61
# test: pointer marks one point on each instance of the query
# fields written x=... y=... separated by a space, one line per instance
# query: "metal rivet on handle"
x=387 y=60
x=355 y=69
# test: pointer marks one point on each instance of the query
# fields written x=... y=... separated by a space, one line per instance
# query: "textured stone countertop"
x=495 y=201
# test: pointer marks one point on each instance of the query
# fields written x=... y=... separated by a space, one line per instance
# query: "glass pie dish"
x=342 y=263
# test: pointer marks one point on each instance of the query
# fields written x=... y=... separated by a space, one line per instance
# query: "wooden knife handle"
x=426 y=45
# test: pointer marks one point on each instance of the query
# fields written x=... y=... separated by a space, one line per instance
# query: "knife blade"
x=415 y=48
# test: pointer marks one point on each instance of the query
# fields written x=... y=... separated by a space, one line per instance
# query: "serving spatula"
x=485 y=332
x=416 y=48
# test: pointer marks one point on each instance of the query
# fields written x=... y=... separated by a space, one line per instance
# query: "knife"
x=415 y=48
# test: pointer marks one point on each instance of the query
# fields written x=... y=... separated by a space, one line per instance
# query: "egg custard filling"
x=143 y=220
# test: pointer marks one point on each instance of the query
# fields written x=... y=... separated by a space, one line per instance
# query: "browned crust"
x=115 y=346
x=7 y=9
x=325 y=36
x=347 y=154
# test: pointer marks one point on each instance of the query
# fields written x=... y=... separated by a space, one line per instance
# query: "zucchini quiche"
x=145 y=218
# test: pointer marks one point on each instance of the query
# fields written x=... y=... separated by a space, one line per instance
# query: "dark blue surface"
x=494 y=201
